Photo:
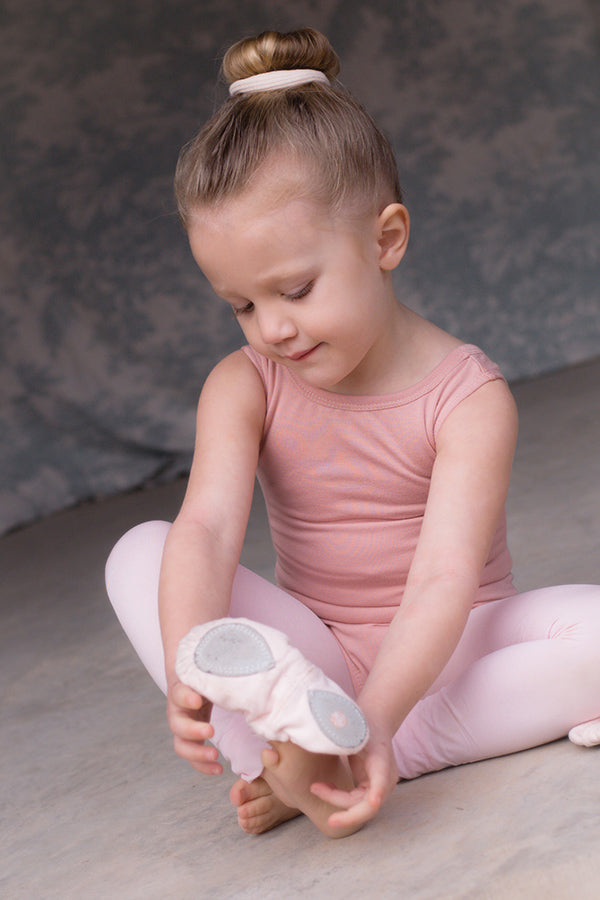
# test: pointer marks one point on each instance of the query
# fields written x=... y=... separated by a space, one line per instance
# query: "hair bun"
x=273 y=50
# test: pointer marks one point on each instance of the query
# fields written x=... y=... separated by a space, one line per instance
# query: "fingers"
x=336 y=796
x=188 y=713
x=375 y=775
x=359 y=814
x=183 y=703
x=186 y=698
x=202 y=757
x=379 y=772
x=269 y=757
x=187 y=727
x=354 y=807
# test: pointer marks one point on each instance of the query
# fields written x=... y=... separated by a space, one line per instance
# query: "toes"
x=263 y=814
x=250 y=816
x=238 y=793
x=244 y=792
x=257 y=824
x=255 y=816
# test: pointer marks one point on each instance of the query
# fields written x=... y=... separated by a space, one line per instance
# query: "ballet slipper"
x=251 y=668
x=587 y=734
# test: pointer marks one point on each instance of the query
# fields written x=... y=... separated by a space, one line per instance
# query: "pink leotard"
x=346 y=479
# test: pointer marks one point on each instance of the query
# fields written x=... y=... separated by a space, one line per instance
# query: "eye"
x=298 y=295
x=240 y=310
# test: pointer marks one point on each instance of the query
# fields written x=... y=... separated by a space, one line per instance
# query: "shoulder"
x=473 y=401
x=464 y=371
x=235 y=371
x=234 y=385
x=229 y=426
x=487 y=415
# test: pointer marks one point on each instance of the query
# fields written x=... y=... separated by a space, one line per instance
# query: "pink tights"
x=525 y=671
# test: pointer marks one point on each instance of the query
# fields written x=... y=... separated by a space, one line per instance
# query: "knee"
x=138 y=548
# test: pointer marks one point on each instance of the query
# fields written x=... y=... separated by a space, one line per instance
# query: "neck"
x=381 y=372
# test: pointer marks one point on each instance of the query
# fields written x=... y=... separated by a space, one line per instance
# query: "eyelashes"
x=239 y=311
x=297 y=295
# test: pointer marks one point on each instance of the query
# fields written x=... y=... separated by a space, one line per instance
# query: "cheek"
x=247 y=330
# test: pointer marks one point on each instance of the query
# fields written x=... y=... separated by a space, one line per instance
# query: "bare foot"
x=290 y=771
x=258 y=808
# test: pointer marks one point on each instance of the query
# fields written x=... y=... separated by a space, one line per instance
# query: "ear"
x=393 y=226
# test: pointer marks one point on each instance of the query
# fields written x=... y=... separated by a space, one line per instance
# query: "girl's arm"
x=466 y=500
x=204 y=543
x=467 y=496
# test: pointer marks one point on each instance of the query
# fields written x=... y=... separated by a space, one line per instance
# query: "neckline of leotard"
x=385 y=401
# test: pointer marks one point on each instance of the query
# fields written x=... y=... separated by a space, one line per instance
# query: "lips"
x=302 y=354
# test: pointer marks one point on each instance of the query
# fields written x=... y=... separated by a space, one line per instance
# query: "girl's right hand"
x=188 y=714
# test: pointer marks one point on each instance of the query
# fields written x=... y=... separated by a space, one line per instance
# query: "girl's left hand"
x=375 y=774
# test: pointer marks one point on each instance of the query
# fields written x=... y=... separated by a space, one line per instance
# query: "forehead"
x=284 y=177
x=275 y=191
x=253 y=239
x=274 y=214
x=251 y=219
x=276 y=225
x=245 y=240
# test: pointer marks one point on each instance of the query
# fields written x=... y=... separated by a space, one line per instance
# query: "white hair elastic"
x=280 y=78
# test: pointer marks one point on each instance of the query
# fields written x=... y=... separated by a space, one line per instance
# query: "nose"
x=276 y=326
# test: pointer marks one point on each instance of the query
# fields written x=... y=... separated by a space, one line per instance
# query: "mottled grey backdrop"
x=106 y=329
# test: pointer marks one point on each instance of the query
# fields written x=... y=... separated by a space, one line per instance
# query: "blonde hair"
x=321 y=126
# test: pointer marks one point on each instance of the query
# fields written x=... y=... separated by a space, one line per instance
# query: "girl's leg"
x=526 y=670
x=132 y=574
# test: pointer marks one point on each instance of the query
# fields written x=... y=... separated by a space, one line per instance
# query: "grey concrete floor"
x=96 y=804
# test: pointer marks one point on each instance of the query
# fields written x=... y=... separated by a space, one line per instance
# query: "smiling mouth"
x=298 y=357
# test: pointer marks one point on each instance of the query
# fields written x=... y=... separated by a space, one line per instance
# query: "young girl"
x=383 y=447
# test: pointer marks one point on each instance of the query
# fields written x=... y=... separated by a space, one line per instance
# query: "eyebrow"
x=289 y=277
x=284 y=279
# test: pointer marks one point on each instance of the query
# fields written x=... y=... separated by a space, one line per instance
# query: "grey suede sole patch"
x=339 y=718
x=233 y=649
